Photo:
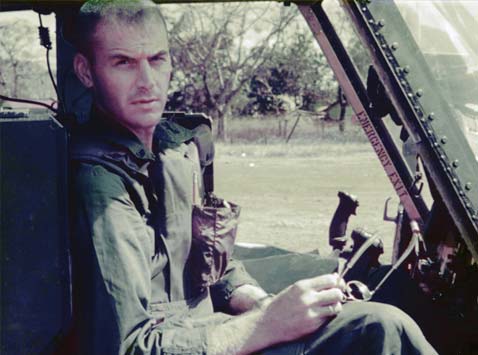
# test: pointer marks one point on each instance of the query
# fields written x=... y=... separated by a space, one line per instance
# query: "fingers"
x=318 y=314
x=324 y=282
x=329 y=297
x=329 y=311
x=341 y=284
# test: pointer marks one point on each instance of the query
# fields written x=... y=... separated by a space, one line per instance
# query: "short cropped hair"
x=125 y=11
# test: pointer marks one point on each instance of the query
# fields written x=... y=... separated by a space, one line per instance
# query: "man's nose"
x=145 y=78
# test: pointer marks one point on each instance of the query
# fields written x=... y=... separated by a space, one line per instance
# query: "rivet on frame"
x=384 y=46
x=468 y=205
x=468 y=186
x=455 y=181
x=461 y=193
x=442 y=157
x=475 y=217
x=430 y=132
x=371 y=21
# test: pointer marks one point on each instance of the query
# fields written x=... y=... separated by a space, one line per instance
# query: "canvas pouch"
x=214 y=229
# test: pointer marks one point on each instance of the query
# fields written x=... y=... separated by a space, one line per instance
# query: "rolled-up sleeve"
x=113 y=246
x=234 y=277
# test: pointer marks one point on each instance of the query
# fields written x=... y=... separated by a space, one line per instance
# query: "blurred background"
x=287 y=140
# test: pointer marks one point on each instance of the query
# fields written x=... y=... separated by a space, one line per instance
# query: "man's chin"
x=148 y=112
x=148 y=119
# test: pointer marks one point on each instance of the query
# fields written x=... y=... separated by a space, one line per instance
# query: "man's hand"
x=302 y=308
x=298 y=310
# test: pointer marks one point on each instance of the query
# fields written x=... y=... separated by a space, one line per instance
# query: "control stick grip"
x=338 y=226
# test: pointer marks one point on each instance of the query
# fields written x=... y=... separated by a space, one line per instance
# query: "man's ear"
x=82 y=68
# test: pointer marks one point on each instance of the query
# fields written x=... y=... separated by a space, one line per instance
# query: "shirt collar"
x=118 y=135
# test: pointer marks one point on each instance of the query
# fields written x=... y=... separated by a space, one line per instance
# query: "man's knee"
x=393 y=331
x=390 y=318
x=366 y=328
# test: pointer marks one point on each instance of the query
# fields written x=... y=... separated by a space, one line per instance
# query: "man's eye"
x=159 y=59
x=122 y=62
x=156 y=59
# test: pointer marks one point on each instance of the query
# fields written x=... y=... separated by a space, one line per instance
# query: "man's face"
x=131 y=71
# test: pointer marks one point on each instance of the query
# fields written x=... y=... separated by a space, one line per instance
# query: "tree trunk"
x=222 y=117
x=343 y=109
x=15 y=79
x=342 y=118
x=221 y=128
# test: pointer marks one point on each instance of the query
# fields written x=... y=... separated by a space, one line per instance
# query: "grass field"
x=288 y=193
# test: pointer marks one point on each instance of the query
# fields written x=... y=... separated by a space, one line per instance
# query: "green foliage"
x=246 y=59
x=300 y=70
x=309 y=74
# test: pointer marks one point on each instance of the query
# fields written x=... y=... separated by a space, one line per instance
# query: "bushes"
x=273 y=129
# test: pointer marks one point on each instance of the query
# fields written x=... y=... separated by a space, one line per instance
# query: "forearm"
x=246 y=298
x=244 y=334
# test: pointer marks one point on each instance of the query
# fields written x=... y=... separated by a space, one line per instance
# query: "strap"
x=132 y=185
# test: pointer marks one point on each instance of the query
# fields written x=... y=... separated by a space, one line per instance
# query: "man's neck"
x=145 y=136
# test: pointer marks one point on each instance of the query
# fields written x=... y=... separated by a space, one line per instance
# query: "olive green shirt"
x=131 y=242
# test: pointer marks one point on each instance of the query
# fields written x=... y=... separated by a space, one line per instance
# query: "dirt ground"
x=288 y=194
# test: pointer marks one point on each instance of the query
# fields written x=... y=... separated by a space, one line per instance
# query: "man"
x=132 y=226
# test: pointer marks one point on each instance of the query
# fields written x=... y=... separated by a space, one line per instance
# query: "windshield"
x=446 y=31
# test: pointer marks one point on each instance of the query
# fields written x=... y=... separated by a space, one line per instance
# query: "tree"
x=215 y=54
x=14 y=41
x=22 y=71
x=301 y=70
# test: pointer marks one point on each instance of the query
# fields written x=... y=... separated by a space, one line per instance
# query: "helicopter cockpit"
x=411 y=78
